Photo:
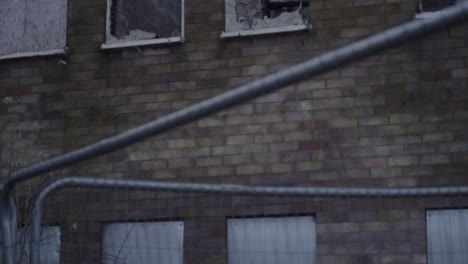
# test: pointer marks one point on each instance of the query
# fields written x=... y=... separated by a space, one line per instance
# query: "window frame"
x=144 y=42
x=262 y=31
x=266 y=31
x=30 y=54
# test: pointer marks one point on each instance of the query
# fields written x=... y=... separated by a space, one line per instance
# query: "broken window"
x=427 y=8
x=249 y=17
x=140 y=22
x=434 y=5
x=29 y=28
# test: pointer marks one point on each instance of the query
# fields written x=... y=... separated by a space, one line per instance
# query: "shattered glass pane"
x=436 y=5
x=260 y=14
x=275 y=8
x=144 y=19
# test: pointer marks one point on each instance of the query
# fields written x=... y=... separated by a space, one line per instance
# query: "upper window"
x=143 y=22
x=271 y=240
x=32 y=28
x=255 y=17
x=143 y=243
x=428 y=7
x=447 y=236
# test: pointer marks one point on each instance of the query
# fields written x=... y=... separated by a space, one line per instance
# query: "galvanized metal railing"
x=315 y=192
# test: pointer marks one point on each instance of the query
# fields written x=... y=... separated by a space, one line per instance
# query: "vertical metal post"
x=9 y=227
x=36 y=233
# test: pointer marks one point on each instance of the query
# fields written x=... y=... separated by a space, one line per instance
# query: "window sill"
x=146 y=42
x=34 y=54
x=428 y=15
x=266 y=31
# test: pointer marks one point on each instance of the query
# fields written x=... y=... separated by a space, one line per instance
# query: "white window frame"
x=431 y=14
x=243 y=240
x=266 y=31
x=42 y=53
x=174 y=229
x=263 y=31
x=58 y=52
x=144 y=42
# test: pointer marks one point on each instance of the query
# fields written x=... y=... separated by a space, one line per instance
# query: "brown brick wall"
x=349 y=230
x=398 y=119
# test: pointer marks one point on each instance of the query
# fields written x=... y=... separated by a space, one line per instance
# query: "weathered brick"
x=181 y=163
x=142 y=155
x=403 y=160
x=373 y=121
x=435 y=159
x=460 y=73
x=339 y=228
x=220 y=171
x=208 y=161
x=373 y=100
x=308 y=166
x=376 y=226
x=453 y=147
x=354 y=32
x=281 y=168
x=249 y=169
x=342 y=122
x=402 y=119
x=251 y=51
x=390 y=130
x=182 y=143
x=154 y=165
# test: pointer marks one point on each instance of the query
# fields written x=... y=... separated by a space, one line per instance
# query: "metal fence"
x=131 y=221
x=306 y=70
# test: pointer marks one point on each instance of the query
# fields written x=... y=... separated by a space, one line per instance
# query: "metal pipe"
x=224 y=189
x=326 y=62
x=306 y=70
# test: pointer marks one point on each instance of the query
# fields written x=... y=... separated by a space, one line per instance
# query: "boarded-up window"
x=136 y=20
x=271 y=240
x=37 y=27
x=143 y=243
x=447 y=236
x=49 y=245
x=250 y=17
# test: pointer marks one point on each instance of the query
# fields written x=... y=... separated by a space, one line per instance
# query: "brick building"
x=397 y=119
